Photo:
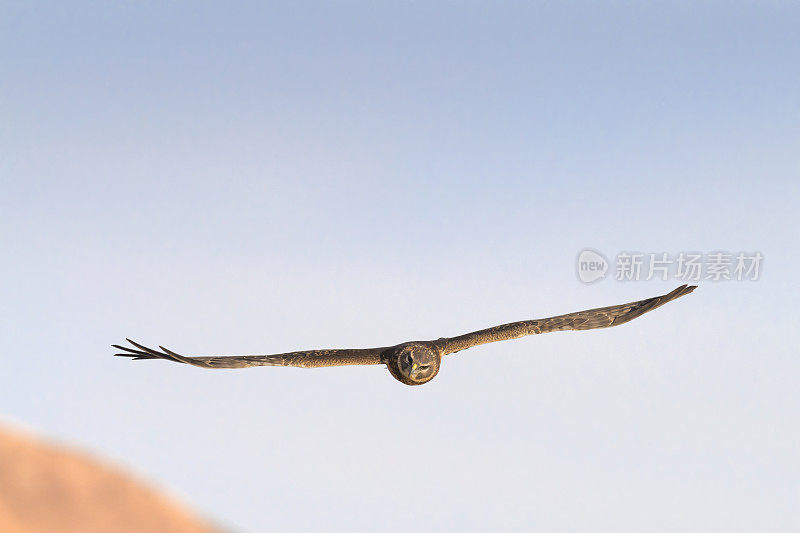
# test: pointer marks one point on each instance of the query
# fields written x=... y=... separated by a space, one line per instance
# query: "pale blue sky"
x=255 y=180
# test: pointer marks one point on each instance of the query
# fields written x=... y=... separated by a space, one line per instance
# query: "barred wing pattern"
x=305 y=359
x=602 y=317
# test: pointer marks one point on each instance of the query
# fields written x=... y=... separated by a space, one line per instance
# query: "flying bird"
x=417 y=362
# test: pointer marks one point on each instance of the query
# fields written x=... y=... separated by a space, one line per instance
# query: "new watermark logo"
x=684 y=266
x=592 y=266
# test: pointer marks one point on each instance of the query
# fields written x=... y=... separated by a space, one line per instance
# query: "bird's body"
x=417 y=362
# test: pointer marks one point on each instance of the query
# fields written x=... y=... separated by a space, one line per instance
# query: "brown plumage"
x=417 y=362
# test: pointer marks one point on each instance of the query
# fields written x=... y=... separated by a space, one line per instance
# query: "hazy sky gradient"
x=256 y=180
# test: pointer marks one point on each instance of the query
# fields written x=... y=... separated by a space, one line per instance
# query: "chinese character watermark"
x=684 y=266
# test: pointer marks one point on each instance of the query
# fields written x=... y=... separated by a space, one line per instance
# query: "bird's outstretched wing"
x=602 y=317
x=306 y=359
x=593 y=318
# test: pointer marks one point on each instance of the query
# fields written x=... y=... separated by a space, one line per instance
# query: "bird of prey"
x=417 y=362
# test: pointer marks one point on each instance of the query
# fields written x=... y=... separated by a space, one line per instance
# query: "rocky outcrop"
x=47 y=489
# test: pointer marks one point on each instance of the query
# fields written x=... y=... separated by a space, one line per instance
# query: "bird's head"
x=414 y=363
